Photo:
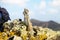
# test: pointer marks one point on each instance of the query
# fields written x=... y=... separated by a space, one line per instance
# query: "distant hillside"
x=50 y=24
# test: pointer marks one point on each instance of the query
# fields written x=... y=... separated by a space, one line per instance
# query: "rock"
x=17 y=38
x=4 y=17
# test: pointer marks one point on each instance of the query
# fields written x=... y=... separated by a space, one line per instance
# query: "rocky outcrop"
x=4 y=17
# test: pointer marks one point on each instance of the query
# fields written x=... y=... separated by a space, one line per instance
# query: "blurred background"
x=43 y=10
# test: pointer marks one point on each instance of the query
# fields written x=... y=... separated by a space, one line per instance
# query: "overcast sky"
x=43 y=10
